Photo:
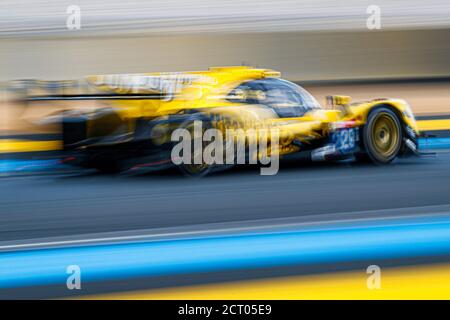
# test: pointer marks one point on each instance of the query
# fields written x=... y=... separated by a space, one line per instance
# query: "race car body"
x=135 y=127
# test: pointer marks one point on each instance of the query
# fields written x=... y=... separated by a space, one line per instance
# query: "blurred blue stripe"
x=400 y=239
x=434 y=143
x=26 y=165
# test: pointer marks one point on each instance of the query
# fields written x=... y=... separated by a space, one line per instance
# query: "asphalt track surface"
x=82 y=204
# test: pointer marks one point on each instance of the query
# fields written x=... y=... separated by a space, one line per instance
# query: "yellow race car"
x=134 y=129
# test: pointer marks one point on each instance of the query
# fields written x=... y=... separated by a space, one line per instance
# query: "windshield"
x=285 y=98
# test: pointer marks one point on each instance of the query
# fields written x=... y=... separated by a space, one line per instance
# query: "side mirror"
x=336 y=101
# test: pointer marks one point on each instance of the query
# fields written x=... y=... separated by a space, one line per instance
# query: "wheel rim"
x=385 y=135
x=193 y=168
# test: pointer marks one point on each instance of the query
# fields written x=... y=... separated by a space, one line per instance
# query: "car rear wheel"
x=192 y=168
x=382 y=135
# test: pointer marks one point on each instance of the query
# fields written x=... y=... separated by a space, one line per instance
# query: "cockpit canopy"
x=287 y=99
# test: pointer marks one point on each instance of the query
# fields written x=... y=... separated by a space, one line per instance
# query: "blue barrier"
x=396 y=239
x=434 y=143
x=11 y=166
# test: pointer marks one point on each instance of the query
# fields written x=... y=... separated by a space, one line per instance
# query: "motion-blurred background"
x=305 y=40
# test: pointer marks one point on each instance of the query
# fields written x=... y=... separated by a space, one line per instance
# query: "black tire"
x=195 y=170
x=382 y=136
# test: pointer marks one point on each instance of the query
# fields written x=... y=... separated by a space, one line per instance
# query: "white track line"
x=267 y=226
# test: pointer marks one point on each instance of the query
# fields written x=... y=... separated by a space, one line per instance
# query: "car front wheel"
x=382 y=135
